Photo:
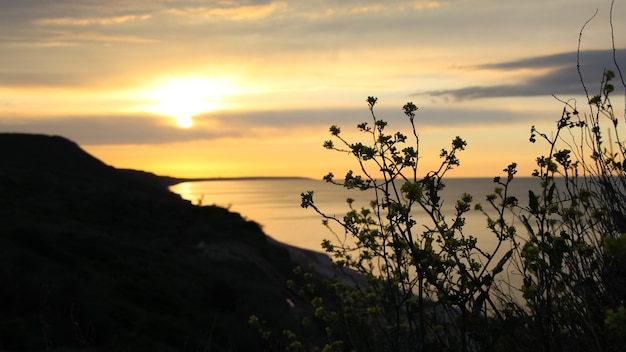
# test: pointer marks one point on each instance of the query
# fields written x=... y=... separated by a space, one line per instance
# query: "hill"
x=96 y=258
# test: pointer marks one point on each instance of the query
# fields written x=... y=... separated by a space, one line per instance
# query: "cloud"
x=101 y=130
x=33 y=11
x=151 y=129
x=349 y=118
x=69 y=21
x=93 y=36
x=562 y=76
x=39 y=79
x=232 y=11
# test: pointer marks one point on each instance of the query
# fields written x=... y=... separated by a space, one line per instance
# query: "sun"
x=184 y=122
x=184 y=97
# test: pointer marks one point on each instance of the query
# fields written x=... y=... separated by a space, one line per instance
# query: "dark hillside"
x=95 y=258
x=42 y=153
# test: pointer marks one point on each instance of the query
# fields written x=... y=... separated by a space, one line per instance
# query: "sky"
x=210 y=88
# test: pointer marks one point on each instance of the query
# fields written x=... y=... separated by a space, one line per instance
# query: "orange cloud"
x=68 y=39
x=421 y=5
x=366 y=9
x=70 y=21
x=234 y=13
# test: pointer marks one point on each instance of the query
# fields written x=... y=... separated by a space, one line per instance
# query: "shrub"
x=572 y=259
x=427 y=284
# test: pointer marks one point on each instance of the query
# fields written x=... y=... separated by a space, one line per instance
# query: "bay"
x=275 y=205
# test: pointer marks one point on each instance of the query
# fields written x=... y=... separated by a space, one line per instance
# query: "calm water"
x=275 y=204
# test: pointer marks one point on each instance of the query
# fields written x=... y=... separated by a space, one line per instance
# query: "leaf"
x=533 y=202
x=527 y=225
x=498 y=268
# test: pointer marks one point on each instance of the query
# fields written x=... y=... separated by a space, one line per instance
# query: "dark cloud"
x=459 y=118
x=428 y=116
x=293 y=118
x=149 y=129
x=35 y=9
x=67 y=8
x=562 y=78
x=348 y=119
x=39 y=79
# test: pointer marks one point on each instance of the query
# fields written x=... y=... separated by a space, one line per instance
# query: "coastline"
x=176 y=180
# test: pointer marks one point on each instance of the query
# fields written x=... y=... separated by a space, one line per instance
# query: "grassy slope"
x=97 y=258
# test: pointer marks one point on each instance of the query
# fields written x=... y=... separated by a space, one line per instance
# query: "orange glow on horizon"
x=273 y=154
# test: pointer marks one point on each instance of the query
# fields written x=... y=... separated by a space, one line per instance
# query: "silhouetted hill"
x=96 y=258
x=41 y=153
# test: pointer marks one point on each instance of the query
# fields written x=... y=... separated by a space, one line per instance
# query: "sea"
x=274 y=203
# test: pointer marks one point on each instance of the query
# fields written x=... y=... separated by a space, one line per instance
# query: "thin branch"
x=580 y=36
x=619 y=71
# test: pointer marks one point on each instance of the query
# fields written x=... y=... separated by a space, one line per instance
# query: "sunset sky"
x=209 y=88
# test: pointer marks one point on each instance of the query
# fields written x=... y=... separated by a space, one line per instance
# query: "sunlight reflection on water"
x=275 y=204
